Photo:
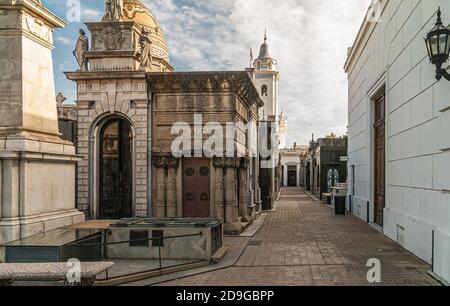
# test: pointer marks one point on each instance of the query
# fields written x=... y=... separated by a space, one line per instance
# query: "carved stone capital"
x=225 y=162
x=165 y=161
x=245 y=162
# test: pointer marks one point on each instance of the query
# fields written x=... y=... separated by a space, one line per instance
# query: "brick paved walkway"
x=304 y=243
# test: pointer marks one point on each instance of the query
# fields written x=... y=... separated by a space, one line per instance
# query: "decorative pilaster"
x=244 y=189
x=159 y=198
x=226 y=192
x=233 y=224
x=172 y=165
x=165 y=192
x=220 y=165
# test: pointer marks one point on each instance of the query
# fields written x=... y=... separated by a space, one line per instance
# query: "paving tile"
x=303 y=243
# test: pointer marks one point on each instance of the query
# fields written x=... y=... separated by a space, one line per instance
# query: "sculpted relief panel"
x=111 y=36
x=29 y=24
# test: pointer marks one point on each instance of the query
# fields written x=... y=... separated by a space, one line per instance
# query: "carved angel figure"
x=81 y=47
x=146 y=49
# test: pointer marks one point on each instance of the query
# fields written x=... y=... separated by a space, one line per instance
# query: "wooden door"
x=116 y=171
x=292 y=176
x=196 y=188
x=380 y=156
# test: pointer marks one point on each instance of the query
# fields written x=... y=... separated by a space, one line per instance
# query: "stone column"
x=244 y=190
x=44 y=192
x=159 y=193
x=251 y=172
x=285 y=175
x=172 y=165
x=219 y=165
x=298 y=175
x=258 y=201
x=233 y=224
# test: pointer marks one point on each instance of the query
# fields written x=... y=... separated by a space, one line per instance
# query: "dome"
x=135 y=10
x=264 y=51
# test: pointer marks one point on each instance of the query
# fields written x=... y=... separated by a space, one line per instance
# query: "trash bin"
x=339 y=205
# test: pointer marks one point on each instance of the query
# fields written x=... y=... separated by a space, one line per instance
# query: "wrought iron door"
x=116 y=185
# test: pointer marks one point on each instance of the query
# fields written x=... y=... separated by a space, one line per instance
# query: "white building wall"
x=417 y=130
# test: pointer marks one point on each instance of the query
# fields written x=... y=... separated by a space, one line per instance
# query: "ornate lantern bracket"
x=438 y=47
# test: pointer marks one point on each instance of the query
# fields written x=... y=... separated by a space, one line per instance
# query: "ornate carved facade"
x=125 y=116
x=220 y=97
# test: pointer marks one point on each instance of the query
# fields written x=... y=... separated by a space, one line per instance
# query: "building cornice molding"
x=237 y=82
x=362 y=37
x=109 y=75
x=36 y=8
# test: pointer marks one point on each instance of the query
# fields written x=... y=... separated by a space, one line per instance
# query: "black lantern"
x=438 y=46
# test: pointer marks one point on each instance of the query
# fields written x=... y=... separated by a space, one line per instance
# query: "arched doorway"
x=292 y=176
x=116 y=171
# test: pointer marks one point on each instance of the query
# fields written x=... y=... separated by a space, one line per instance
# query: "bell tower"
x=266 y=81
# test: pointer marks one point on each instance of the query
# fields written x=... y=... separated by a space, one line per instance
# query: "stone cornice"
x=365 y=31
x=36 y=8
x=237 y=82
x=95 y=75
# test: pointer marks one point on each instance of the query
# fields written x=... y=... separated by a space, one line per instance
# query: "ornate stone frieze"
x=226 y=162
x=206 y=82
x=165 y=161
x=169 y=119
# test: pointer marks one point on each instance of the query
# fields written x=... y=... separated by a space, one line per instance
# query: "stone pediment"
x=206 y=82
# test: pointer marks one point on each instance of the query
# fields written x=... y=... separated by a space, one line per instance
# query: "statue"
x=146 y=49
x=113 y=10
x=81 y=47
x=60 y=99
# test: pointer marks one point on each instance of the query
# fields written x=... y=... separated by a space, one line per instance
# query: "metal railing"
x=159 y=240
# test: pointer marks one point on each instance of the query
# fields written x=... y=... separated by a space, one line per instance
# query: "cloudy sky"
x=309 y=38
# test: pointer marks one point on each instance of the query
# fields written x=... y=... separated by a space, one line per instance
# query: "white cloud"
x=90 y=14
x=64 y=40
x=309 y=38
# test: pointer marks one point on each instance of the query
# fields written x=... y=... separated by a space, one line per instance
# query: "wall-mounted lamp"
x=438 y=46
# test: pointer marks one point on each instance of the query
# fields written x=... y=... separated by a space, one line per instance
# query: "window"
x=139 y=239
x=204 y=171
x=264 y=91
x=189 y=171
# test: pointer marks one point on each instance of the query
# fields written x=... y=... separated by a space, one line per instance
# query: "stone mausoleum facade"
x=128 y=99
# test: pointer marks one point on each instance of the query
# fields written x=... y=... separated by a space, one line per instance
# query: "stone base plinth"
x=233 y=229
x=19 y=228
x=37 y=183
